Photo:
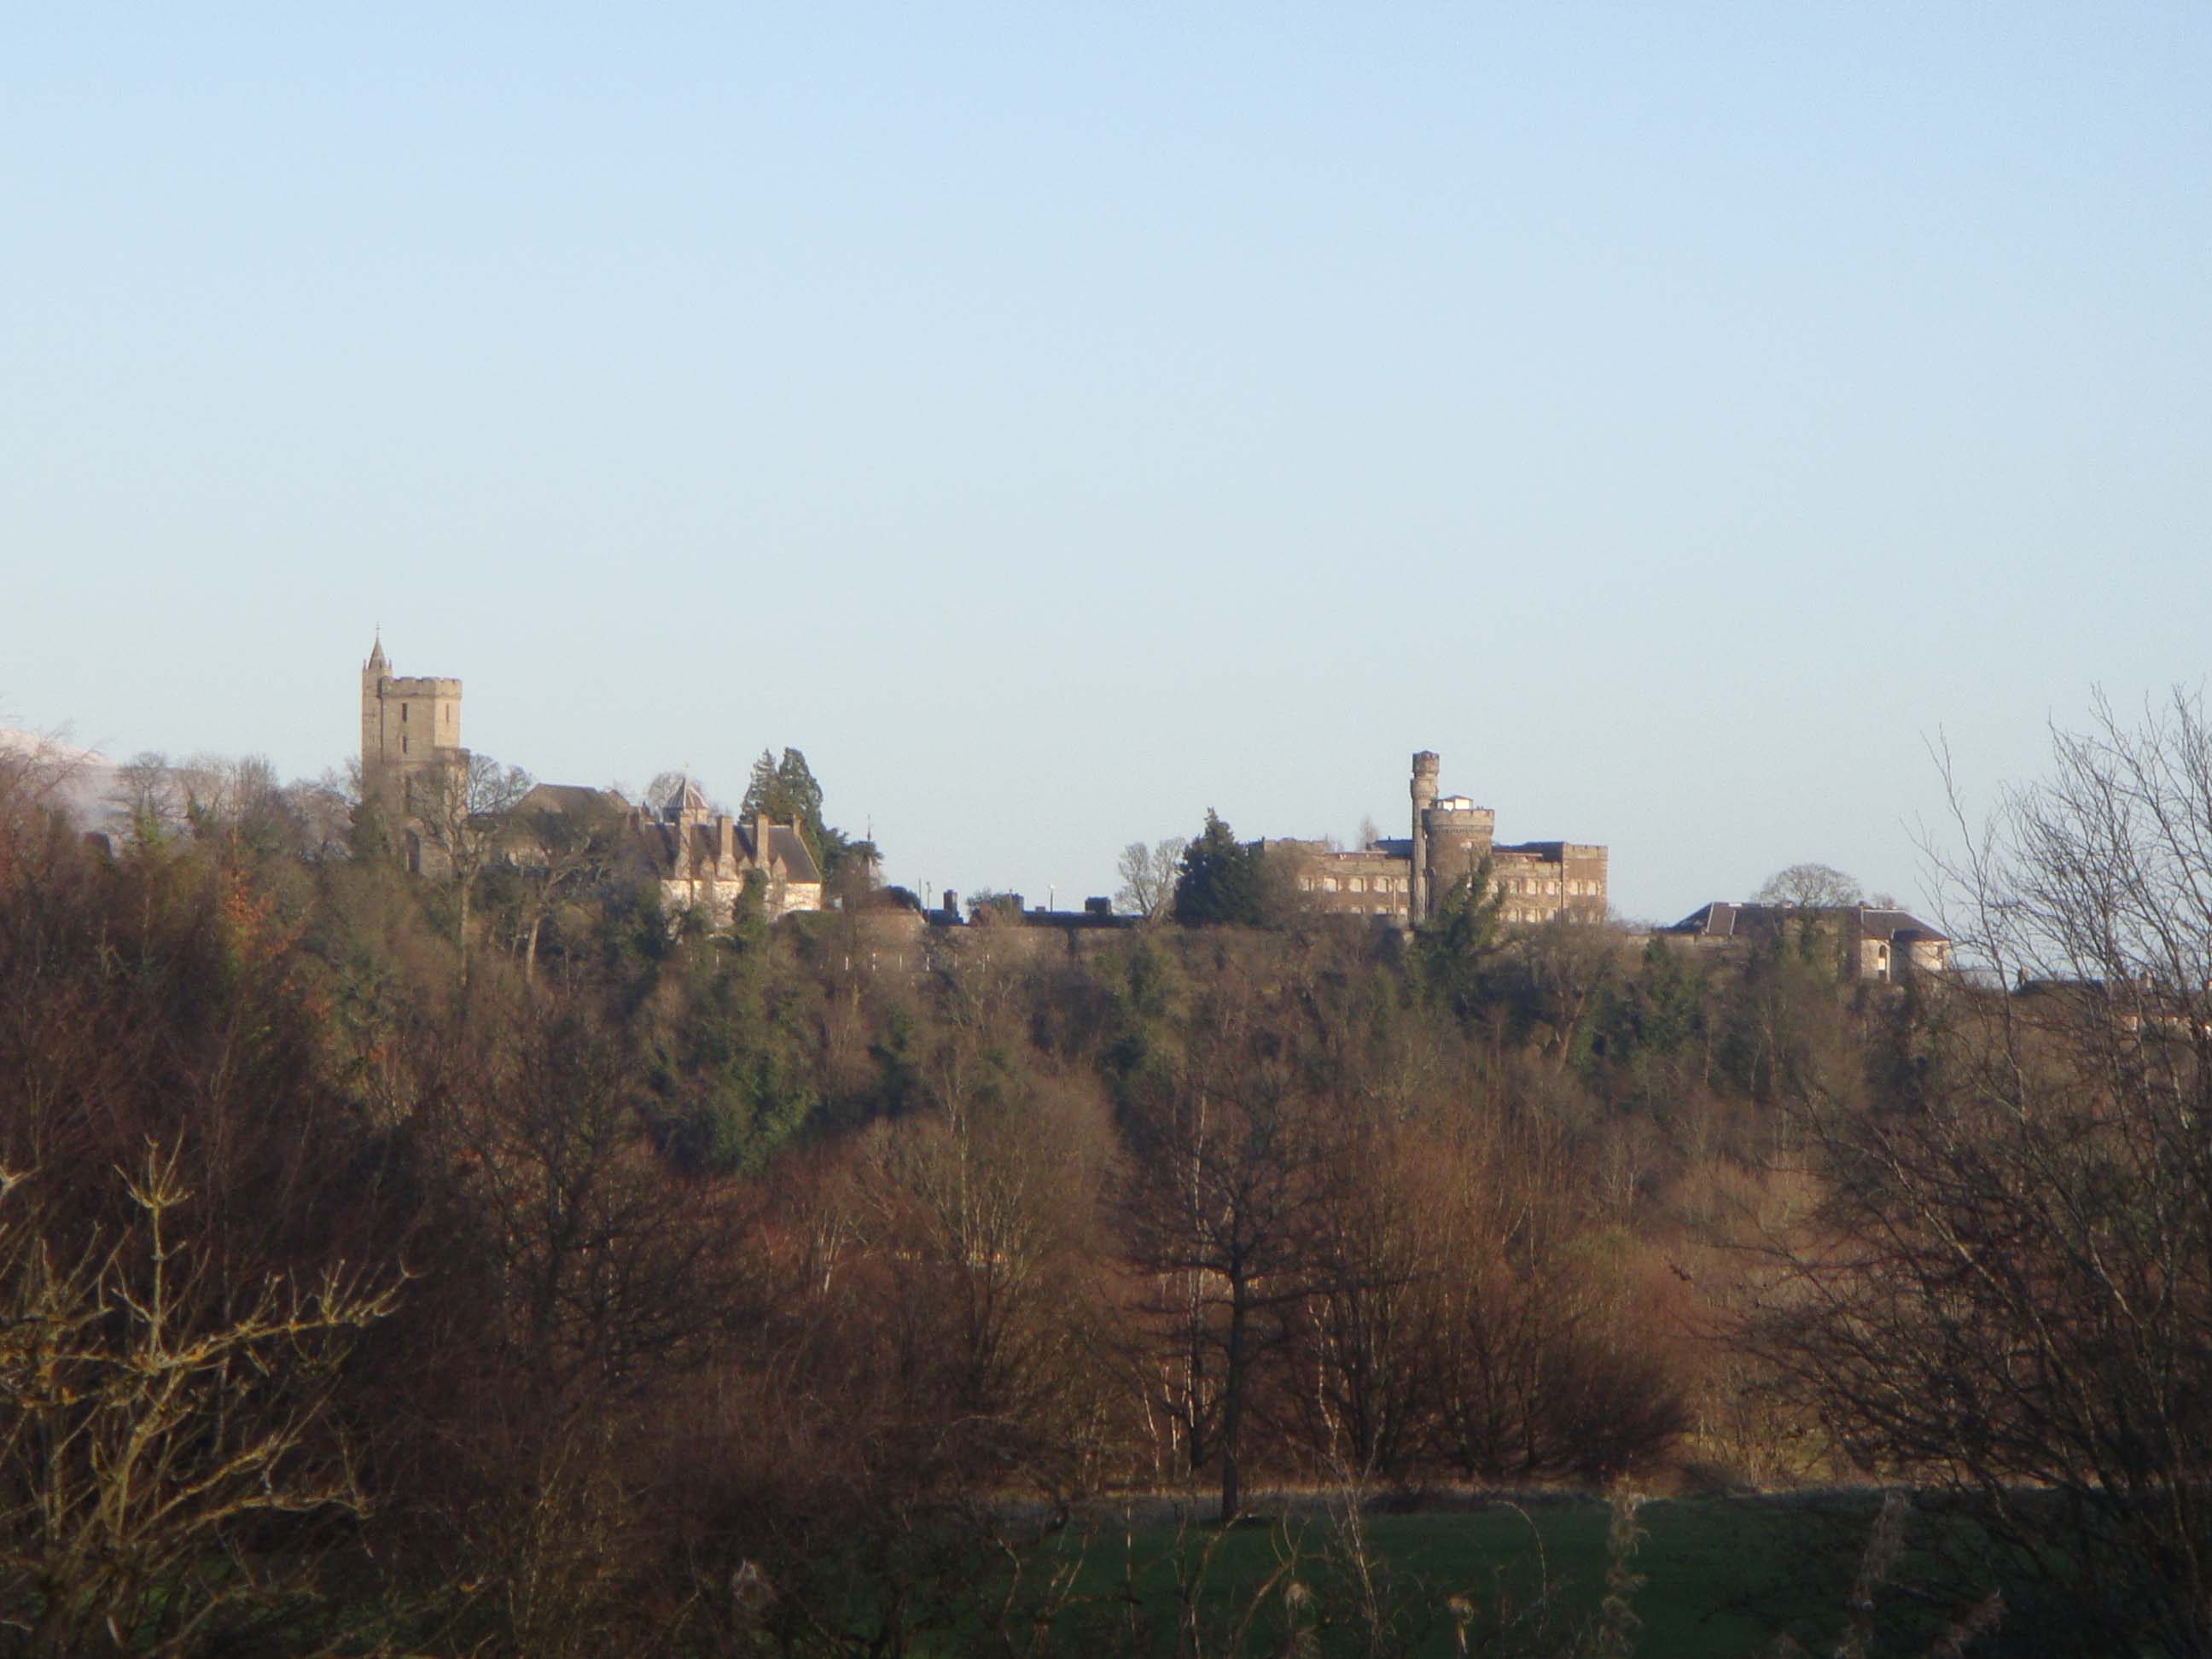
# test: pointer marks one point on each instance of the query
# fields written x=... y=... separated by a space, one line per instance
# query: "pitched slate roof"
x=688 y=801
x=785 y=842
x=1721 y=919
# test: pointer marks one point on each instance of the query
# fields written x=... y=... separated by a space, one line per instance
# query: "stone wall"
x=1537 y=881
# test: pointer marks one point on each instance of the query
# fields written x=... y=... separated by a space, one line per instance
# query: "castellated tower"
x=1453 y=838
x=1404 y=883
x=407 y=727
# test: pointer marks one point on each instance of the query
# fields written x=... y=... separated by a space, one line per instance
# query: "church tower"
x=407 y=727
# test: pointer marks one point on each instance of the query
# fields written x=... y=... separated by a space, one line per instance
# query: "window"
x=402 y=745
x=403 y=714
x=1355 y=885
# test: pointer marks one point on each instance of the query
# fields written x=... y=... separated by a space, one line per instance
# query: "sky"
x=1059 y=420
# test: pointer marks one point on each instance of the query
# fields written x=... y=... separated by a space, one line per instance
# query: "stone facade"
x=1877 y=943
x=702 y=859
x=410 y=729
x=698 y=859
x=1398 y=881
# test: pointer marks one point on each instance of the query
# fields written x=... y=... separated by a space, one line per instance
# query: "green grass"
x=1721 y=1576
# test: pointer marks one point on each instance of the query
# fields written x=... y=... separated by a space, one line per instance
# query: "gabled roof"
x=1900 y=926
x=785 y=842
x=1714 y=921
x=681 y=850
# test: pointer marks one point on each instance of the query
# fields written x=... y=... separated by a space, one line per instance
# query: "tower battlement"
x=410 y=724
x=1534 y=882
x=393 y=685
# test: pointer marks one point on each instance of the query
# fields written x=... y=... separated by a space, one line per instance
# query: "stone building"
x=696 y=858
x=411 y=732
x=702 y=859
x=1399 y=880
x=1878 y=943
x=410 y=729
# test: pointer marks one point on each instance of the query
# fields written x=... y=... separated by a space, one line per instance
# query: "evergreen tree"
x=1452 y=955
x=1220 y=880
x=787 y=791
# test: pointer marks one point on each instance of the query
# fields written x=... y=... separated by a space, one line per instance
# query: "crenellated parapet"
x=1406 y=881
x=410 y=724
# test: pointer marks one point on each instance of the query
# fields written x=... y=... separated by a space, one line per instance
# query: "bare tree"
x=2011 y=1288
x=1556 y=972
x=1366 y=1348
x=1809 y=886
x=462 y=808
x=150 y=1417
x=562 y=852
x=1222 y=1218
x=227 y=798
x=35 y=773
x=324 y=808
x=147 y=794
x=1534 y=1375
x=1148 y=876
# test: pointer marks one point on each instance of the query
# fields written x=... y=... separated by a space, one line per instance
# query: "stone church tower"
x=407 y=726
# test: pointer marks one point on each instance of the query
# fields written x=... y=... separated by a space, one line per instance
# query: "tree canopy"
x=1220 y=880
x=787 y=792
x=1810 y=886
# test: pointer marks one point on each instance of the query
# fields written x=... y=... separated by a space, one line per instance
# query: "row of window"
x=1354 y=884
x=1576 y=888
x=1515 y=884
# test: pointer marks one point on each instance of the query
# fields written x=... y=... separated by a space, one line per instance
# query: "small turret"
x=688 y=804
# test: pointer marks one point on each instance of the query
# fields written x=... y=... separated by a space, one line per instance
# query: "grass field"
x=1720 y=1577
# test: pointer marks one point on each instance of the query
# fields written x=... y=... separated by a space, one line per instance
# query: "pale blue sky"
x=1057 y=420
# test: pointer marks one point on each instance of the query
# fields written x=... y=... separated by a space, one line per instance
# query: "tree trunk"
x=464 y=885
x=1232 y=1407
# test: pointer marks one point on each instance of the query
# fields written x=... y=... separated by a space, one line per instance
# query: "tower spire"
x=376 y=661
